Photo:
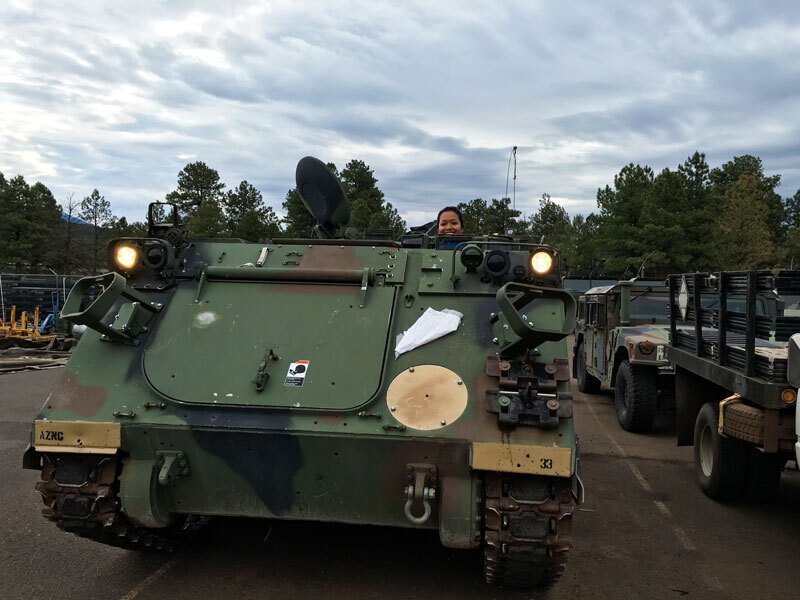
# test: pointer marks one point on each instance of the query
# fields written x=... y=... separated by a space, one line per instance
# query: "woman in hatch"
x=451 y=221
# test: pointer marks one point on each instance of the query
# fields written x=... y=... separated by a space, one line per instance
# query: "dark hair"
x=451 y=209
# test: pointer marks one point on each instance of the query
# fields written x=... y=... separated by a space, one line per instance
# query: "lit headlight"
x=126 y=256
x=541 y=262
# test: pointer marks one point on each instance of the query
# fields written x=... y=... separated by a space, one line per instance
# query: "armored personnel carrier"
x=219 y=378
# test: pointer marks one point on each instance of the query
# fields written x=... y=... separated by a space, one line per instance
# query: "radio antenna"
x=513 y=156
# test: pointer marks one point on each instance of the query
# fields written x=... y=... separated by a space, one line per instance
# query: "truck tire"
x=636 y=395
x=720 y=462
x=763 y=476
x=587 y=383
x=745 y=423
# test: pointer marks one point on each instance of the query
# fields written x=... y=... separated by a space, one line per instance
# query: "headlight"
x=541 y=262
x=497 y=263
x=126 y=256
x=471 y=257
x=646 y=347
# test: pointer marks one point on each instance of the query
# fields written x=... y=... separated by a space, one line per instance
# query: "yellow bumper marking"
x=518 y=458
x=81 y=437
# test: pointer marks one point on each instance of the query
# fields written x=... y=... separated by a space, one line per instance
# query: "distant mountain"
x=72 y=219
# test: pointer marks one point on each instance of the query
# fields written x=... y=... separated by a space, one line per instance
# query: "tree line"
x=691 y=218
x=37 y=233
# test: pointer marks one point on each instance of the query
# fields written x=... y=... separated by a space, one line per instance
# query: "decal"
x=296 y=376
x=49 y=434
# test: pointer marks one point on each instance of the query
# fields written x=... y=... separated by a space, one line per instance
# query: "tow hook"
x=422 y=480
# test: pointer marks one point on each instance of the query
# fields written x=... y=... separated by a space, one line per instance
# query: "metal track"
x=80 y=496
x=528 y=529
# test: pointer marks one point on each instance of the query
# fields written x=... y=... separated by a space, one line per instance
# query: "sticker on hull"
x=296 y=375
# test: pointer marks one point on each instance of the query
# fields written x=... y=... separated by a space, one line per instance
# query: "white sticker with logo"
x=296 y=376
x=661 y=352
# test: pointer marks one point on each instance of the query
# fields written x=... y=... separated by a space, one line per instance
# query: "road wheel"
x=587 y=383
x=763 y=475
x=636 y=395
x=720 y=462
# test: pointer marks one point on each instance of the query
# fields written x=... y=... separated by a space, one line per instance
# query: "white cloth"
x=432 y=325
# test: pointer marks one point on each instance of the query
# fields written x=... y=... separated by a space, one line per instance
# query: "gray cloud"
x=432 y=97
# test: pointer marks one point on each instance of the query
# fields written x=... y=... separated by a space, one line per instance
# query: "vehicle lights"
x=541 y=262
x=646 y=347
x=789 y=396
x=126 y=256
x=471 y=257
x=497 y=263
x=155 y=256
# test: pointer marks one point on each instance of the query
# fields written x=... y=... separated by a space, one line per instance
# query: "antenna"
x=514 y=153
x=640 y=272
x=508 y=172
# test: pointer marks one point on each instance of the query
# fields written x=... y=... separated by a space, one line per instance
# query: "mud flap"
x=141 y=495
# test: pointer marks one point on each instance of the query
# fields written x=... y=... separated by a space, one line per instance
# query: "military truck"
x=222 y=378
x=793 y=377
x=621 y=333
x=729 y=334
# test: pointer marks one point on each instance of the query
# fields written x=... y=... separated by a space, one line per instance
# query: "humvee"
x=621 y=333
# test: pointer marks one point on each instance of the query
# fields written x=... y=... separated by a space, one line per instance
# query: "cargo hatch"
x=330 y=351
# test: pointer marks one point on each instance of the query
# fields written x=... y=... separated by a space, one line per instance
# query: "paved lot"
x=645 y=531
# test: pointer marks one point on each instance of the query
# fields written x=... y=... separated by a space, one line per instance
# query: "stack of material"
x=24 y=359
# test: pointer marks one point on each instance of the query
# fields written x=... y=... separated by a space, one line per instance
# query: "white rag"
x=432 y=325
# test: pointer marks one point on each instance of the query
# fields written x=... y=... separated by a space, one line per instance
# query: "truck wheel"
x=587 y=383
x=763 y=475
x=720 y=462
x=635 y=394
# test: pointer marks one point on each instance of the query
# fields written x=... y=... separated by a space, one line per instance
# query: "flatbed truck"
x=729 y=342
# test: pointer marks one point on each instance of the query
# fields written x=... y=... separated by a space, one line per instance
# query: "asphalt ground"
x=645 y=531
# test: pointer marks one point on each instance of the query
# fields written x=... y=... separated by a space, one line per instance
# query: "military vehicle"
x=220 y=378
x=621 y=335
x=735 y=377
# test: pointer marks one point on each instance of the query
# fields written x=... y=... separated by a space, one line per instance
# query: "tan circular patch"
x=427 y=397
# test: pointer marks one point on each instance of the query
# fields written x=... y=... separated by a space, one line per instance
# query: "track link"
x=80 y=496
x=528 y=529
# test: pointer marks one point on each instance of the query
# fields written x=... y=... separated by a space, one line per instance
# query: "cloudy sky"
x=119 y=96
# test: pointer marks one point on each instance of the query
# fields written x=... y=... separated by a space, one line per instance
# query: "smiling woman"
x=451 y=221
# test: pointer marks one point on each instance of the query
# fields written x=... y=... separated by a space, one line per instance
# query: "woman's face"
x=449 y=223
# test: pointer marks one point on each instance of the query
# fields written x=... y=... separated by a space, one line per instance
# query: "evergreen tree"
x=121 y=228
x=743 y=233
x=197 y=183
x=96 y=211
x=298 y=222
x=664 y=222
x=208 y=220
x=584 y=250
x=257 y=225
x=475 y=215
x=28 y=224
x=43 y=218
x=550 y=224
x=241 y=201
x=728 y=175
x=699 y=214
x=368 y=208
x=621 y=217
x=501 y=218
x=791 y=244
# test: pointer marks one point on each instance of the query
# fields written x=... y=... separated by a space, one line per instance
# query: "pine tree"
x=96 y=211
